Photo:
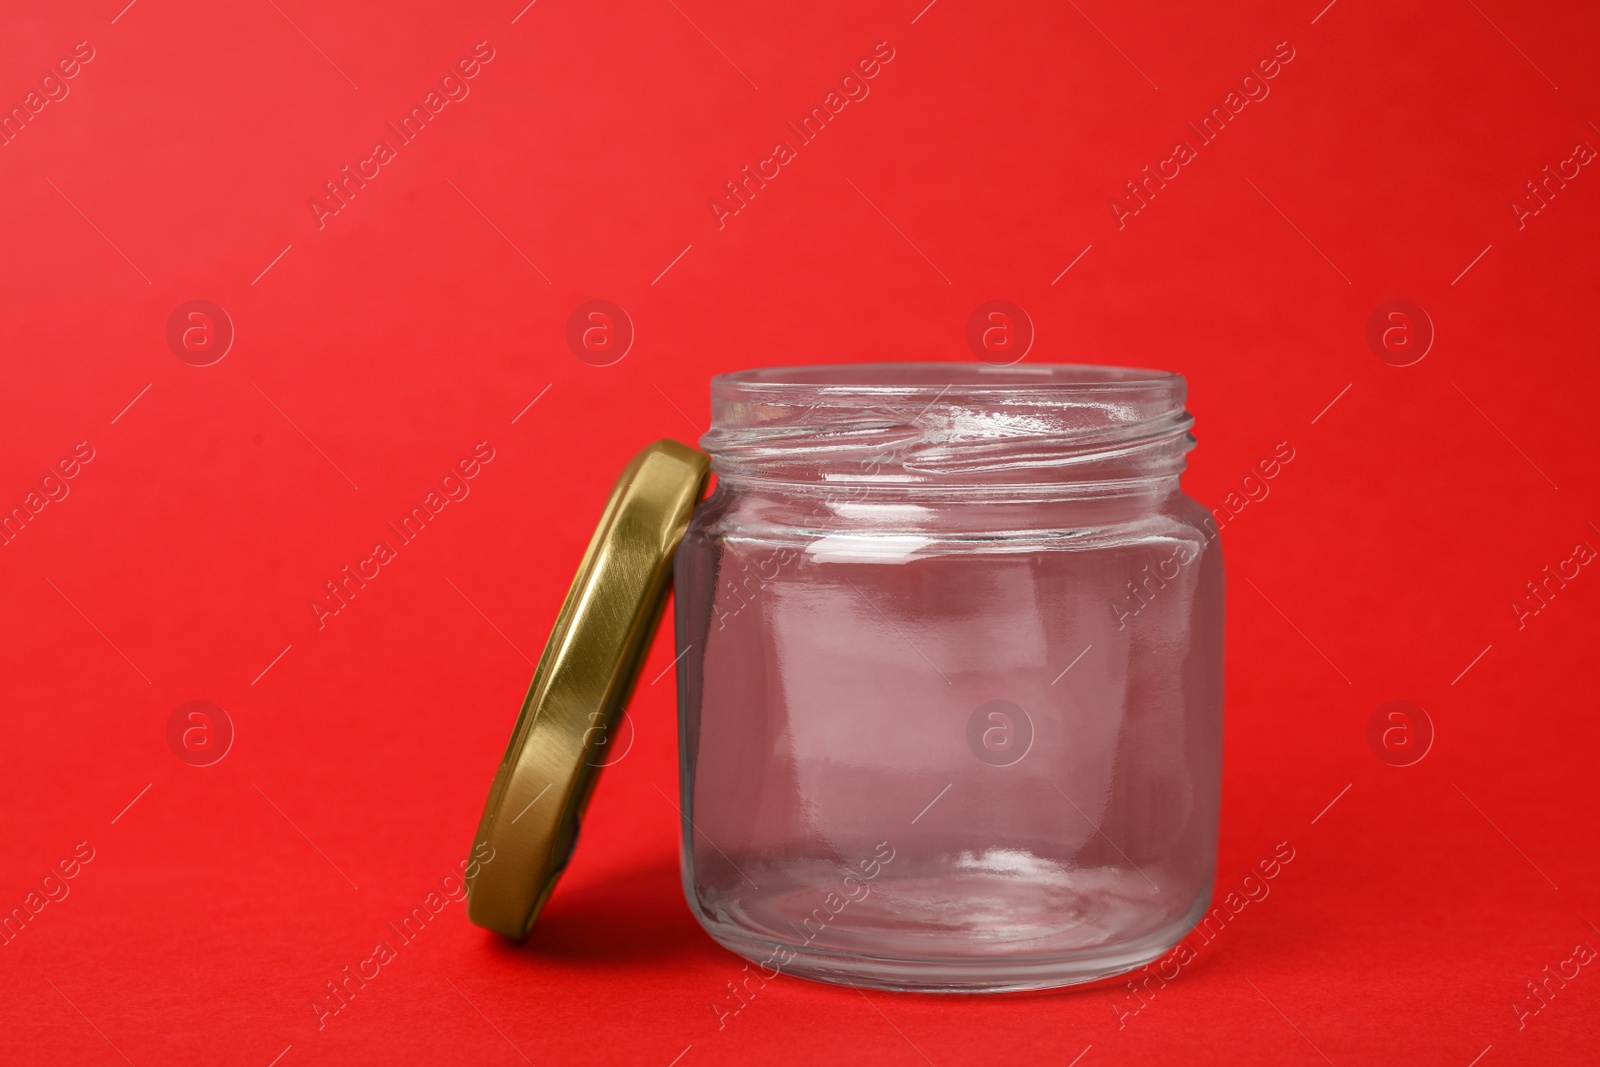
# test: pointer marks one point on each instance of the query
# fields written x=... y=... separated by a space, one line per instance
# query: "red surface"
x=381 y=348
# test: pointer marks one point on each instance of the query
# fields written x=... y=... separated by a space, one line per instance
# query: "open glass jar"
x=950 y=675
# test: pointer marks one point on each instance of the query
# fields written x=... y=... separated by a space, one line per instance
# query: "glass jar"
x=950 y=675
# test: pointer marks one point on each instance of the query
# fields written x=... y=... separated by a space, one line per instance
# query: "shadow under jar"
x=950 y=675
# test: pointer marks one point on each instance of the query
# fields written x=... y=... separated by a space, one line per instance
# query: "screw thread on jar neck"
x=950 y=429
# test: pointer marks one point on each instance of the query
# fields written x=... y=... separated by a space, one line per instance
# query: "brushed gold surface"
x=582 y=683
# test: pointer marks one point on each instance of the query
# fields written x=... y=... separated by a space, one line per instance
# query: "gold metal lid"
x=580 y=687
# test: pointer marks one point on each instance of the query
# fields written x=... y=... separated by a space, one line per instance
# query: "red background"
x=376 y=351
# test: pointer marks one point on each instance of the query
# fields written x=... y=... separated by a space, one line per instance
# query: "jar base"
x=957 y=974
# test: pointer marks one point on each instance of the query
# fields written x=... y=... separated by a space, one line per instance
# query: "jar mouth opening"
x=906 y=379
x=891 y=425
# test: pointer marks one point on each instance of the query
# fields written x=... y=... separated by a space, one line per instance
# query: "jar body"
x=945 y=744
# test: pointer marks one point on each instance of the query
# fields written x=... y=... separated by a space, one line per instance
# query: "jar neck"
x=950 y=432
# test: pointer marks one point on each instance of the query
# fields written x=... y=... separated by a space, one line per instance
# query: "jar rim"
x=909 y=378
x=894 y=425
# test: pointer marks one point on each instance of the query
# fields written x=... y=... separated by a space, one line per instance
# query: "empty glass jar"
x=951 y=675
